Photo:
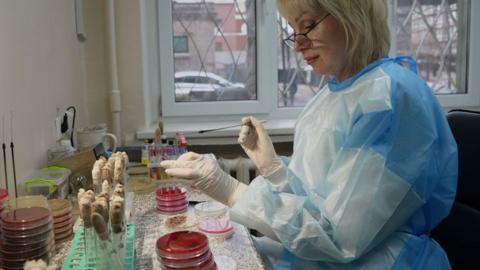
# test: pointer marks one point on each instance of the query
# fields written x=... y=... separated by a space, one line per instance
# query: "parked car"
x=206 y=86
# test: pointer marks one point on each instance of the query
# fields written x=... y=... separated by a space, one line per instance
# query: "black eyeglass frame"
x=290 y=40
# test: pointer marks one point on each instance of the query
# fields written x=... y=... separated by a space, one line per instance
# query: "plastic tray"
x=76 y=258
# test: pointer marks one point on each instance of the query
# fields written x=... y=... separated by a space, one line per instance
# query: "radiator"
x=240 y=168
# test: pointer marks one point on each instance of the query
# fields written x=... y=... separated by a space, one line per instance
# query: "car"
x=194 y=85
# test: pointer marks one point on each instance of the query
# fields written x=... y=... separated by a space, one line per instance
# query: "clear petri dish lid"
x=193 y=262
x=182 y=245
x=171 y=193
x=25 y=218
x=210 y=209
x=60 y=207
x=215 y=226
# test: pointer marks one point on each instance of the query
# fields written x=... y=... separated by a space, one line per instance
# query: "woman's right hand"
x=258 y=146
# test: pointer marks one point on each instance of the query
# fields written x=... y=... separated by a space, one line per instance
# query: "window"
x=180 y=44
x=235 y=69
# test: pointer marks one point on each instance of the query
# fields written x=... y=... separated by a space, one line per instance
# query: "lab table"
x=150 y=226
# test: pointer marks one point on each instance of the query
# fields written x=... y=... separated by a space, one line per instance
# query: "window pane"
x=220 y=41
x=297 y=84
x=434 y=33
x=180 y=44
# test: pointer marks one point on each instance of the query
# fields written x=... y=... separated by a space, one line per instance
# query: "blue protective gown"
x=373 y=171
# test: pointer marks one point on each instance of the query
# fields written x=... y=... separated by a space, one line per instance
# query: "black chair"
x=459 y=233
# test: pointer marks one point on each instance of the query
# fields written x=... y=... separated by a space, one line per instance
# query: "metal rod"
x=215 y=129
x=13 y=155
x=4 y=153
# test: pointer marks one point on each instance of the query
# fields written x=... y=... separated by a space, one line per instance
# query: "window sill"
x=279 y=130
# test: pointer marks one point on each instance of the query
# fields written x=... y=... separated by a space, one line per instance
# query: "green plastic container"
x=76 y=257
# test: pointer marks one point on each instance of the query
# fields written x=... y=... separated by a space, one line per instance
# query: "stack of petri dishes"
x=171 y=200
x=217 y=227
x=26 y=235
x=186 y=250
x=3 y=204
x=62 y=219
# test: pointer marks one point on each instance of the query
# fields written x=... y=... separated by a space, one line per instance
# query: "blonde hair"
x=365 y=23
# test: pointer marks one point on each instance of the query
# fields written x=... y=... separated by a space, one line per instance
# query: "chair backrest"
x=459 y=233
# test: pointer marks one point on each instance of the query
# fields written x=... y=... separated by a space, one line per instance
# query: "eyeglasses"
x=301 y=38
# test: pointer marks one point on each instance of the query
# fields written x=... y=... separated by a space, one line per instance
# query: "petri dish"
x=25 y=218
x=64 y=239
x=171 y=193
x=29 y=201
x=28 y=246
x=182 y=245
x=64 y=234
x=33 y=231
x=62 y=224
x=208 y=265
x=21 y=253
x=63 y=229
x=194 y=262
x=33 y=239
x=171 y=213
x=19 y=262
x=210 y=209
x=216 y=227
x=62 y=219
x=14 y=235
x=172 y=208
x=172 y=203
x=60 y=207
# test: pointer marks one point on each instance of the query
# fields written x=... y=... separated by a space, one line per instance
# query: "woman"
x=374 y=164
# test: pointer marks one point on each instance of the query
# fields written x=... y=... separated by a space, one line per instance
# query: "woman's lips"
x=312 y=59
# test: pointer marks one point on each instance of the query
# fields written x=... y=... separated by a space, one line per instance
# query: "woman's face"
x=326 y=52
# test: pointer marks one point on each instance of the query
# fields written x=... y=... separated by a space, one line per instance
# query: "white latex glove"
x=206 y=176
x=258 y=146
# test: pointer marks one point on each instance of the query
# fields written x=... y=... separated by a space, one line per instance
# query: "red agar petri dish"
x=172 y=203
x=208 y=265
x=171 y=193
x=64 y=234
x=171 y=213
x=25 y=218
x=172 y=208
x=182 y=245
x=194 y=262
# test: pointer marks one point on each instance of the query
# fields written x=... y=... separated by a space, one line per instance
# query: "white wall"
x=40 y=69
x=129 y=61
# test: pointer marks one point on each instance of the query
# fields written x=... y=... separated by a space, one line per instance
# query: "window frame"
x=159 y=73
x=178 y=111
